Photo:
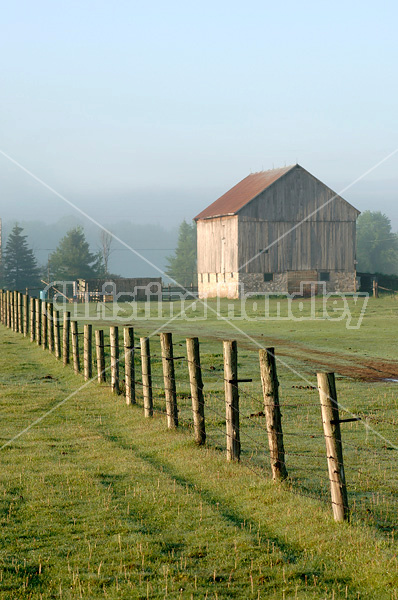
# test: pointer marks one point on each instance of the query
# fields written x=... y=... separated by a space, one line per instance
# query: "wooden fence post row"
x=38 y=318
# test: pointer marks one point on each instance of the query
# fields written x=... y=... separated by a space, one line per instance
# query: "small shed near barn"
x=119 y=288
x=274 y=231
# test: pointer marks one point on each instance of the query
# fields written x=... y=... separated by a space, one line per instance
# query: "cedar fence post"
x=32 y=323
x=88 y=352
x=20 y=312
x=231 y=399
x=114 y=342
x=38 y=321
x=75 y=346
x=129 y=373
x=8 y=309
x=166 y=343
x=57 y=335
x=272 y=412
x=12 y=311
x=100 y=351
x=334 y=449
x=25 y=315
x=44 y=325
x=146 y=376
x=195 y=379
x=10 y=314
x=50 y=326
x=16 y=311
x=66 y=338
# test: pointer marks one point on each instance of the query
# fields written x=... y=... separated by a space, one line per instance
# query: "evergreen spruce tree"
x=182 y=266
x=73 y=260
x=20 y=269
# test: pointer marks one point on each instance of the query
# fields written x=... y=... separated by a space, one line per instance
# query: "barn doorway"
x=304 y=283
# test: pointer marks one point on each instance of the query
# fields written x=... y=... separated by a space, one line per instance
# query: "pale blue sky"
x=150 y=111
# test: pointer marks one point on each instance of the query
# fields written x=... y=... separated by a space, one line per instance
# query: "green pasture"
x=98 y=502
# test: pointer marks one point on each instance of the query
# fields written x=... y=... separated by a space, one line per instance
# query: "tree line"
x=377 y=252
x=71 y=260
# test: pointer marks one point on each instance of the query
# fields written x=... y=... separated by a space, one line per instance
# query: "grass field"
x=98 y=502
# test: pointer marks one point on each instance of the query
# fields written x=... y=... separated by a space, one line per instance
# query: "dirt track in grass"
x=348 y=365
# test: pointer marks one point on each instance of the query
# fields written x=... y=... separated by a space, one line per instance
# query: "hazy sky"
x=150 y=111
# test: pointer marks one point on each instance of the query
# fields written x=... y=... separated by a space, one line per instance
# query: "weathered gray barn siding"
x=313 y=245
x=298 y=195
x=325 y=240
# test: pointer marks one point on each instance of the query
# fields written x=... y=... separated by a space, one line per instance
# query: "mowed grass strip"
x=97 y=502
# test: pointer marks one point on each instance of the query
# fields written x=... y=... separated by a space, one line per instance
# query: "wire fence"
x=370 y=458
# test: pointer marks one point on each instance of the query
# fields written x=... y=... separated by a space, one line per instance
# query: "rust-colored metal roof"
x=243 y=192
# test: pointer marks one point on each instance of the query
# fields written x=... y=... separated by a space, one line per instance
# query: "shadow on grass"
x=290 y=553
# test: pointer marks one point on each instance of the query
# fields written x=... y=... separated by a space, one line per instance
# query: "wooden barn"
x=274 y=230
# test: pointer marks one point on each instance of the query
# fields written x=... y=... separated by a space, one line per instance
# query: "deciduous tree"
x=377 y=245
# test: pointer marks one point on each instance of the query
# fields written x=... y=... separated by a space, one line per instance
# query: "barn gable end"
x=295 y=196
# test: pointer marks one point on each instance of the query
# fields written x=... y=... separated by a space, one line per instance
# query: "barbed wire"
x=253 y=446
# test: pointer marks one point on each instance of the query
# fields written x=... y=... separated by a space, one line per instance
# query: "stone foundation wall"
x=235 y=285
x=341 y=281
x=254 y=283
